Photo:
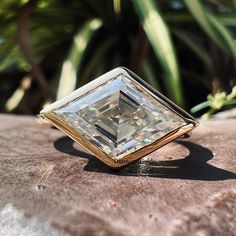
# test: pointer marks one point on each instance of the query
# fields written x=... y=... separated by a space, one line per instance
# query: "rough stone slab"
x=184 y=188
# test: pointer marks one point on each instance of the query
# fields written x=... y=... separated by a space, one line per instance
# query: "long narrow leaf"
x=19 y=93
x=215 y=30
x=194 y=47
x=159 y=37
x=73 y=61
x=150 y=76
x=200 y=106
x=117 y=7
x=229 y=20
x=223 y=31
x=231 y=102
x=98 y=56
x=234 y=4
x=198 y=12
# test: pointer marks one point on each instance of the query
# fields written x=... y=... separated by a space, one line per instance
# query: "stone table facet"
x=184 y=188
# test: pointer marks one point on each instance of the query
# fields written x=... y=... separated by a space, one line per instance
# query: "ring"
x=119 y=118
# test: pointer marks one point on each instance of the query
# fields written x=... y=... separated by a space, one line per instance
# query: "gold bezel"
x=49 y=115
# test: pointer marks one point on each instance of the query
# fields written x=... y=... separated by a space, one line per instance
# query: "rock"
x=186 y=187
x=14 y=222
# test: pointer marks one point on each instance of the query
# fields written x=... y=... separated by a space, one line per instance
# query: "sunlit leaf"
x=18 y=95
x=212 y=26
x=117 y=7
x=71 y=65
x=225 y=34
x=229 y=20
x=159 y=37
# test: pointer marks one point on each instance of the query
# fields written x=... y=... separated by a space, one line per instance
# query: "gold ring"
x=119 y=118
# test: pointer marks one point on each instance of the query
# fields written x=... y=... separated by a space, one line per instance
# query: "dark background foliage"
x=186 y=49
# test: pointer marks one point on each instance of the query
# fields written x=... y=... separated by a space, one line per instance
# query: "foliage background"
x=184 y=48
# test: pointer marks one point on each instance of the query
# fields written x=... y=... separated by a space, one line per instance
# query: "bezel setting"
x=119 y=118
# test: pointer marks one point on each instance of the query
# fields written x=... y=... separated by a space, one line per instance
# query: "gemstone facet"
x=120 y=116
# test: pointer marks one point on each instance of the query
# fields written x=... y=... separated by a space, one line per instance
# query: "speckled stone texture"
x=185 y=188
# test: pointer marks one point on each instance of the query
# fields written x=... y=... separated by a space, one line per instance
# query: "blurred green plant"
x=60 y=45
x=215 y=102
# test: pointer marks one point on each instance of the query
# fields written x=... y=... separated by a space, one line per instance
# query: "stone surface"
x=14 y=222
x=183 y=188
x=120 y=117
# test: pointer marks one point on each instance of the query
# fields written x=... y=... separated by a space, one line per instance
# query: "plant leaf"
x=71 y=65
x=211 y=25
x=234 y=4
x=117 y=7
x=150 y=76
x=229 y=20
x=223 y=31
x=19 y=93
x=200 y=106
x=98 y=56
x=231 y=102
x=194 y=47
x=159 y=37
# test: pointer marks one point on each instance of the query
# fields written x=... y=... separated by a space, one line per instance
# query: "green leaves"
x=212 y=26
x=72 y=64
x=197 y=49
x=227 y=38
x=204 y=34
x=216 y=102
x=19 y=93
x=159 y=37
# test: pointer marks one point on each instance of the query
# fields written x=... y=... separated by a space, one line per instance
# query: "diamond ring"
x=119 y=118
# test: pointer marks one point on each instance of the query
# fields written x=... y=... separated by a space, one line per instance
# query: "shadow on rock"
x=194 y=166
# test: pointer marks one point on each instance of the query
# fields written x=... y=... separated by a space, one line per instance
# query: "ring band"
x=119 y=118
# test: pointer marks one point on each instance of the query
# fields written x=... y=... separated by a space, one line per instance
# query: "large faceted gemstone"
x=120 y=117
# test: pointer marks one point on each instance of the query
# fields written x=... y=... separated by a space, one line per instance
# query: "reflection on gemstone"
x=113 y=115
x=120 y=117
